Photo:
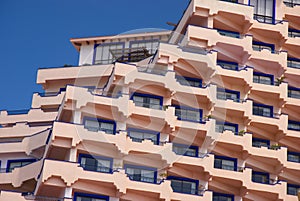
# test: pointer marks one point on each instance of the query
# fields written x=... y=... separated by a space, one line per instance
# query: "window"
x=259 y=46
x=294 y=33
x=264 y=10
x=95 y=125
x=231 y=34
x=12 y=164
x=104 y=52
x=185 y=150
x=188 y=114
x=222 y=126
x=293 y=157
x=294 y=125
x=188 y=81
x=293 y=63
x=143 y=174
x=262 y=110
x=291 y=3
x=293 y=189
x=225 y=94
x=260 y=177
x=222 y=197
x=95 y=163
x=225 y=163
x=263 y=78
x=89 y=197
x=150 y=45
x=294 y=92
x=228 y=65
x=137 y=135
x=184 y=185
x=147 y=101
x=257 y=142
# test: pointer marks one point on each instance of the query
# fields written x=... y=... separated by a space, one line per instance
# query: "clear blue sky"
x=36 y=33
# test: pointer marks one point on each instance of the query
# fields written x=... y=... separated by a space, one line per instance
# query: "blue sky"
x=36 y=33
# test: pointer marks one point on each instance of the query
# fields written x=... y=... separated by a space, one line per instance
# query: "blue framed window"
x=189 y=81
x=293 y=157
x=291 y=3
x=262 y=78
x=228 y=65
x=227 y=33
x=294 y=92
x=104 y=53
x=139 y=173
x=222 y=126
x=95 y=125
x=261 y=177
x=293 y=63
x=293 y=189
x=259 y=46
x=89 y=197
x=185 y=150
x=225 y=163
x=262 y=110
x=294 y=125
x=222 y=197
x=184 y=185
x=95 y=163
x=225 y=94
x=188 y=114
x=138 y=135
x=149 y=45
x=293 y=33
x=264 y=10
x=147 y=100
x=12 y=164
x=258 y=142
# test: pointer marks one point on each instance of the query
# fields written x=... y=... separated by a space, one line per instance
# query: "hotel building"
x=207 y=112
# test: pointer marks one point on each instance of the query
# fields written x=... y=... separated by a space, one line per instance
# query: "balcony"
x=47 y=99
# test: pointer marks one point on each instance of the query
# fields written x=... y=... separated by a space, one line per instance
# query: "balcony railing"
x=291 y=3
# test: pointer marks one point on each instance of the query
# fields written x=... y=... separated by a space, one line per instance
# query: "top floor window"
x=149 y=45
x=104 y=52
x=264 y=10
x=291 y=3
x=148 y=101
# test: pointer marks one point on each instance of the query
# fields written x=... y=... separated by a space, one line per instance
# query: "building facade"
x=209 y=111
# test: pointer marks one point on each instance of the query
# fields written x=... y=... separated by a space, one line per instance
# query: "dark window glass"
x=293 y=63
x=228 y=65
x=140 y=174
x=263 y=78
x=293 y=157
x=186 y=81
x=225 y=164
x=95 y=164
x=224 y=94
x=188 y=114
x=293 y=125
x=292 y=189
x=222 y=126
x=294 y=93
x=185 y=150
x=147 y=101
x=181 y=186
x=257 y=142
x=262 y=110
x=105 y=53
x=140 y=135
x=16 y=164
x=263 y=10
x=100 y=125
x=260 y=177
x=222 y=197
